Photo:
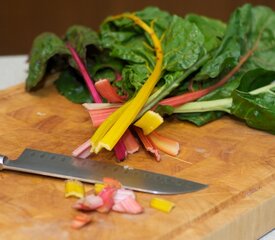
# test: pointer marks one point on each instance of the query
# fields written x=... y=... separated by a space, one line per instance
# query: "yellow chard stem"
x=105 y=126
x=109 y=134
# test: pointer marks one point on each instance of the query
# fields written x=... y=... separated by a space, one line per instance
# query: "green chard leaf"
x=128 y=42
x=72 y=88
x=228 y=54
x=250 y=32
x=48 y=53
x=255 y=79
x=103 y=66
x=186 y=42
x=258 y=111
x=262 y=39
x=105 y=73
x=186 y=49
x=258 y=41
x=123 y=30
x=158 y=18
x=133 y=77
x=212 y=29
x=80 y=37
x=183 y=45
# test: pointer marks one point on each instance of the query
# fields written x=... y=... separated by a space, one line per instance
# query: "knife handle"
x=2 y=161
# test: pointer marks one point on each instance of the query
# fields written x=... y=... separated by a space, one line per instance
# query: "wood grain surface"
x=236 y=161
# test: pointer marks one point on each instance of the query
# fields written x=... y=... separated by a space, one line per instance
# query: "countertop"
x=13 y=70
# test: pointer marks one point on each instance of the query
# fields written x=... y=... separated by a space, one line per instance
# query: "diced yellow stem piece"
x=74 y=188
x=99 y=187
x=162 y=204
x=149 y=122
x=121 y=123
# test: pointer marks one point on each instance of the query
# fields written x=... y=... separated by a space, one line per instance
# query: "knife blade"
x=86 y=170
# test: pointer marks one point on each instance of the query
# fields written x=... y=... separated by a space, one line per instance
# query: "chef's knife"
x=86 y=170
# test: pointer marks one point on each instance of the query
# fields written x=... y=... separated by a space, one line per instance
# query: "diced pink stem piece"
x=88 y=203
x=128 y=205
x=107 y=196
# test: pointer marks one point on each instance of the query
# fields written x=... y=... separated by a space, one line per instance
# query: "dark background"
x=21 y=21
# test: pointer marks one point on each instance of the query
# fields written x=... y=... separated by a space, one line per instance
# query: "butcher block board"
x=237 y=162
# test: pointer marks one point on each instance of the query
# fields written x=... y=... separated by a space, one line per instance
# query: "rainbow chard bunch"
x=193 y=67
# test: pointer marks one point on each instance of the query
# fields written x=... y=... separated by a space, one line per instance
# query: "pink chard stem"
x=85 y=74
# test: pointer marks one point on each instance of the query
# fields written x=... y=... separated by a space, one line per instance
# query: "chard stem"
x=205 y=106
x=263 y=89
x=216 y=105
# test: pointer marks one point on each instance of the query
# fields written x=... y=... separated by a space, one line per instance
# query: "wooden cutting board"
x=237 y=162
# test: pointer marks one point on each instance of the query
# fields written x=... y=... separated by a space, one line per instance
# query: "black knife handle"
x=2 y=161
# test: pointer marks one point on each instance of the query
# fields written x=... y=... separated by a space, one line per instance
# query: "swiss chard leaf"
x=121 y=30
x=230 y=50
x=256 y=78
x=133 y=77
x=258 y=111
x=46 y=47
x=129 y=43
x=72 y=88
x=159 y=19
x=104 y=66
x=212 y=29
x=262 y=39
x=250 y=30
x=105 y=73
x=80 y=37
x=186 y=49
x=183 y=45
x=259 y=40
